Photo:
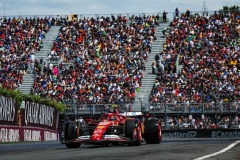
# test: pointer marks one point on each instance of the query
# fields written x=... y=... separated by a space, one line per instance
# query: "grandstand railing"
x=169 y=108
x=217 y=112
x=225 y=107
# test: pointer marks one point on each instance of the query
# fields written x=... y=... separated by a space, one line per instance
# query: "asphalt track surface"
x=168 y=150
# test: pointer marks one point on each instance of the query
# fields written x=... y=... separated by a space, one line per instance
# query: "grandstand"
x=186 y=66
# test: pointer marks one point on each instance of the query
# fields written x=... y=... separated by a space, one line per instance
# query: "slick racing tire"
x=133 y=131
x=152 y=131
x=70 y=130
x=73 y=145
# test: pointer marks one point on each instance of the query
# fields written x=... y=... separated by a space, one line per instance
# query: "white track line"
x=219 y=152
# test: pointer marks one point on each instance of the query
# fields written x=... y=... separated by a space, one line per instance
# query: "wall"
x=31 y=122
x=17 y=134
x=202 y=133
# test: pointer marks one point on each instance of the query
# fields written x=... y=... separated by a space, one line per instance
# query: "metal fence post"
x=165 y=110
x=177 y=115
x=229 y=105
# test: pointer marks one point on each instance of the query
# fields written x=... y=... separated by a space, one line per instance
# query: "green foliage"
x=230 y=8
x=19 y=97
x=16 y=95
x=3 y=92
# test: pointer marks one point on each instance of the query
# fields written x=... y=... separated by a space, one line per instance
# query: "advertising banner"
x=27 y=114
x=8 y=111
x=17 y=134
x=39 y=115
x=202 y=133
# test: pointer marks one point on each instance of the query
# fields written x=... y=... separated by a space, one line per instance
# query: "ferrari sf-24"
x=131 y=128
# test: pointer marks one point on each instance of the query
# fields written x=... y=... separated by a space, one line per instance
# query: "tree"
x=233 y=8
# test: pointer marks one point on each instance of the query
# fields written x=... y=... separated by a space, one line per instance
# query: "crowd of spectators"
x=207 y=46
x=196 y=122
x=20 y=39
x=106 y=59
x=108 y=55
x=103 y=61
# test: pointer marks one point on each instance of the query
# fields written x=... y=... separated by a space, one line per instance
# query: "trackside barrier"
x=28 y=114
x=202 y=133
x=28 y=122
x=27 y=134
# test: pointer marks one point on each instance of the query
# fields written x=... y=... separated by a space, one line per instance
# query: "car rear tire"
x=133 y=131
x=70 y=130
x=152 y=131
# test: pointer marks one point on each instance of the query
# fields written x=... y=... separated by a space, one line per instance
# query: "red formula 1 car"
x=113 y=128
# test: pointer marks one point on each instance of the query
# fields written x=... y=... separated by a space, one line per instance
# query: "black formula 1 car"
x=113 y=128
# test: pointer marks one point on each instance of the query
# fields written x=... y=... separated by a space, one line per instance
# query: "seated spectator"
x=207 y=48
x=108 y=58
x=20 y=39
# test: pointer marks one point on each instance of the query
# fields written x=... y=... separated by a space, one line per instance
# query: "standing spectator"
x=176 y=12
x=153 y=68
x=32 y=59
x=81 y=121
x=188 y=14
x=157 y=58
x=55 y=70
x=164 y=32
x=165 y=17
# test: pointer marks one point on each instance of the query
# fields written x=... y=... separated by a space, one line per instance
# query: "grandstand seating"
x=102 y=59
x=19 y=40
x=208 y=49
x=107 y=57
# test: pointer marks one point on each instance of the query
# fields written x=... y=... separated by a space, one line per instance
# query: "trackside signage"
x=202 y=133
x=9 y=135
x=17 y=134
x=39 y=115
x=8 y=111
x=30 y=114
x=227 y=134
x=189 y=134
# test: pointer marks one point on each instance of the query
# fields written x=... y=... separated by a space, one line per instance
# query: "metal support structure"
x=204 y=9
x=229 y=105
x=216 y=116
x=141 y=104
x=177 y=115
x=165 y=110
